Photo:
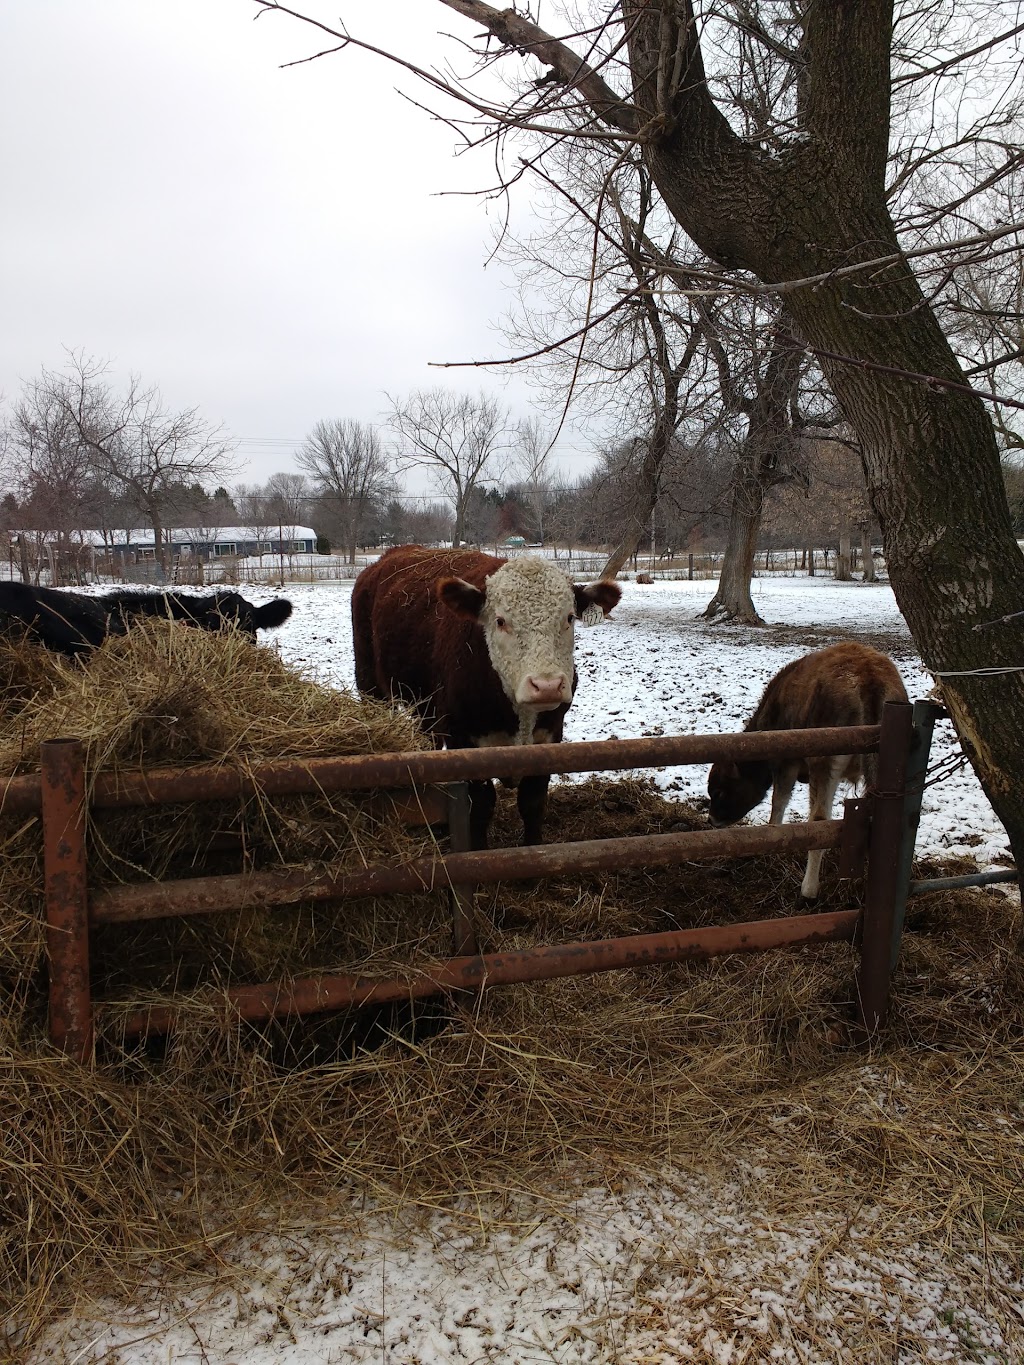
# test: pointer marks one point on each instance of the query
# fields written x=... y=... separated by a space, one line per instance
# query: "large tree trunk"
x=628 y=545
x=645 y=493
x=732 y=600
x=866 y=553
x=843 y=559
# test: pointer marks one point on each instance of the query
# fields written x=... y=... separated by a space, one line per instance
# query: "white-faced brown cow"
x=482 y=647
x=845 y=684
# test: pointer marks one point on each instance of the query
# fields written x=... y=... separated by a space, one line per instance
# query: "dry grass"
x=164 y=1150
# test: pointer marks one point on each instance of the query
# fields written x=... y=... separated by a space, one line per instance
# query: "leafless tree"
x=806 y=211
x=351 y=473
x=674 y=365
x=461 y=440
x=767 y=455
x=254 y=508
x=593 y=256
x=51 y=467
x=135 y=445
x=534 y=464
x=287 y=499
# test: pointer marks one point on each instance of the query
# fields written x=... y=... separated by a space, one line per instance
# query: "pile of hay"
x=163 y=696
x=159 y=1154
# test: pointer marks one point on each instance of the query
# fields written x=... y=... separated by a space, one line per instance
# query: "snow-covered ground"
x=655 y=668
x=667 y=1268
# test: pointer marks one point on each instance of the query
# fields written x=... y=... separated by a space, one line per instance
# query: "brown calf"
x=845 y=684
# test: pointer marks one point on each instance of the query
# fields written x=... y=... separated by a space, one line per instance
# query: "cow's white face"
x=528 y=610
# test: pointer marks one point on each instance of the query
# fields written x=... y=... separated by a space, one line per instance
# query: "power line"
x=271 y=440
x=268 y=442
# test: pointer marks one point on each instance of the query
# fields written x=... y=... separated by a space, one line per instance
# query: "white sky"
x=268 y=245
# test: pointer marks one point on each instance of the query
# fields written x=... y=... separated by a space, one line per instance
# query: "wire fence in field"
x=276 y=570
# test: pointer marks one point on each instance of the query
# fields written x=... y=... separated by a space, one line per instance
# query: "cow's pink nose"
x=545 y=688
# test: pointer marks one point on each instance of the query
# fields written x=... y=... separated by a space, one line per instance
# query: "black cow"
x=209 y=613
x=71 y=622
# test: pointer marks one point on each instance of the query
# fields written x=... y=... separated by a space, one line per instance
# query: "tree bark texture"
x=867 y=555
x=732 y=600
x=845 y=555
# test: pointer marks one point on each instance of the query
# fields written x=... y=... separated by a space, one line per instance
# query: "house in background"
x=206 y=543
x=69 y=559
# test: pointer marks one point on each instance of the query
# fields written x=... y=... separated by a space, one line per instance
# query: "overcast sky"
x=268 y=245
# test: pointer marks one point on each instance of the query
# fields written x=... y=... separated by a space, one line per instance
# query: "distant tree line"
x=75 y=453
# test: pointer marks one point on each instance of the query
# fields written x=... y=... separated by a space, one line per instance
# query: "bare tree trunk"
x=459 y=529
x=638 y=514
x=159 y=547
x=762 y=463
x=843 y=569
x=732 y=601
x=623 y=551
x=867 y=554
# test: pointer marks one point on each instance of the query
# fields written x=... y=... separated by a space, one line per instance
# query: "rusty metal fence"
x=875 y=838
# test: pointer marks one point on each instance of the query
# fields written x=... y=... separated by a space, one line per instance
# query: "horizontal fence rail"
x=960 y=883
x=216 y=782
x=261 y=890
x=311 y=995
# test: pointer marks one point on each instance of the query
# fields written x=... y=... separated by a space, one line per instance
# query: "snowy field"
x=654 y=668
x=668 y=1267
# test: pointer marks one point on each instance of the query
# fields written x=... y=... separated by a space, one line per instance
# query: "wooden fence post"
x=460 y=895
x=885 y=852
x=67 y=911
x=925 y=714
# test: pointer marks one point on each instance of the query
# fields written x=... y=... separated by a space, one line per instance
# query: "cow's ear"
x=604 y=594
x=461 y=597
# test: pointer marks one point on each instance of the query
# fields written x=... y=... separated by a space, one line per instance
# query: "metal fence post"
x=62 y=762
x=460 y=895
x=925 y=714
x=885 y=852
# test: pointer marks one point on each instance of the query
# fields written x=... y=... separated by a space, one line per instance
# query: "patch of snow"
x=670 y=1269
